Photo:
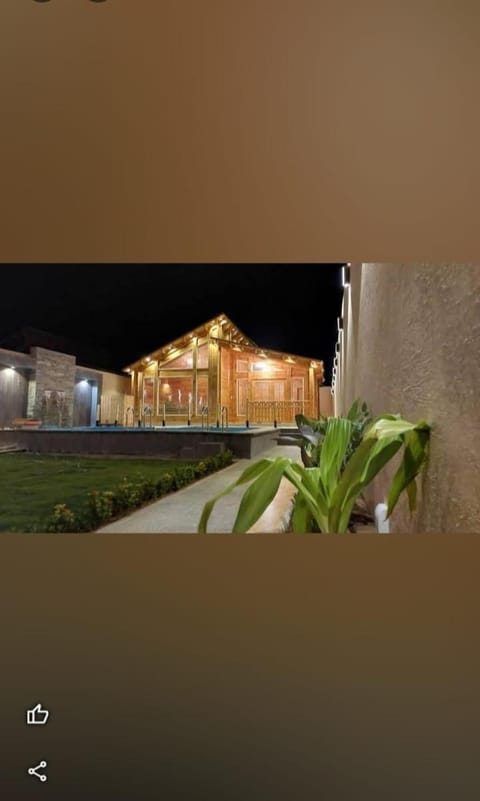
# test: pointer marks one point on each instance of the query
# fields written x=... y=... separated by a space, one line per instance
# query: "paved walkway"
x=180 y=512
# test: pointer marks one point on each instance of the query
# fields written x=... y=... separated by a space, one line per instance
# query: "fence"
x=275 y=412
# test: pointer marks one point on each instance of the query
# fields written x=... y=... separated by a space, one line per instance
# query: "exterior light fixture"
x=340 y=323
x=346 y=275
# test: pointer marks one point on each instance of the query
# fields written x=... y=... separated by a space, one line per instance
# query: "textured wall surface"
x=55 y=372
x=413 y=347
x=13 y=395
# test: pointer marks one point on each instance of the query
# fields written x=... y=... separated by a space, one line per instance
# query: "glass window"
x=202 y=358
x=202 y=392
x=183 y=362
x=149 y=392
x=176 y=394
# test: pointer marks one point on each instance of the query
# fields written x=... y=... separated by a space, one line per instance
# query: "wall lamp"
x=346 y=275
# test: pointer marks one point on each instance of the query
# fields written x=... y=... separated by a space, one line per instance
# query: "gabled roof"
x=226 y=331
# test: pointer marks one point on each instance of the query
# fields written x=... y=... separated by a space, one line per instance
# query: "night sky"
x=126 y=310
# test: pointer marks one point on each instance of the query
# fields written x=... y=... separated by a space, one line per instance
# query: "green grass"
x=31 y=485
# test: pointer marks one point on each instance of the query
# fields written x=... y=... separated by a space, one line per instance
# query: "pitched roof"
x=226 y=331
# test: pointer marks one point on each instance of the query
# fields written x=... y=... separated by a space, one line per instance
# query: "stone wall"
x=55 y=382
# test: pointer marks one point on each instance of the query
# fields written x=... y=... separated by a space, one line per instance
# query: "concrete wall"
x=411 y=345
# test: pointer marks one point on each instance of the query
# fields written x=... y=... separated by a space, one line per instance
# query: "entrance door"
x=298 y=389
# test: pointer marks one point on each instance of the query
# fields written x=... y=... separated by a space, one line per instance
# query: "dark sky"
x=132 y=309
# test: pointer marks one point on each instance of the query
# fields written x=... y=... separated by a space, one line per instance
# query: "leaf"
x=414 y=457
x=259 y=496
x=314 y=437
x=367 y=461
x=311 y=490
x=301 y=518
x=412 y=495
x=353 y=413
x=334 y=449
x=252 y=471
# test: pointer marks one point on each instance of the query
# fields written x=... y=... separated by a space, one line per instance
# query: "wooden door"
x=242 y=395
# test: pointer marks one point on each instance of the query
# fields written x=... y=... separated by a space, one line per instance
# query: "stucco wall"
x=412 y=345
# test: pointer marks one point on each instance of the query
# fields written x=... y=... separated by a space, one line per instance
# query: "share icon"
x=34 y=771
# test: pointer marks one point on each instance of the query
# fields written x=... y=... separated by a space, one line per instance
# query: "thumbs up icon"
x=37 y=716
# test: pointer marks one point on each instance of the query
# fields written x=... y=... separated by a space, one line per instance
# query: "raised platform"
x=184 y=443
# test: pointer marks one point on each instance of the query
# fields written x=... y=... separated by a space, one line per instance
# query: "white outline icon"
x=37 y=716
x=34 y=771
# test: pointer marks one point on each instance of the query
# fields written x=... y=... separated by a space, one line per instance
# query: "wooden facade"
x=216 y=371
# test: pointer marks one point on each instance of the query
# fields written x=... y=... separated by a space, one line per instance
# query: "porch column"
x=213 y=360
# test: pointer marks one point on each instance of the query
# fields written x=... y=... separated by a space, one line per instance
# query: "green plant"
x=326 y=494
x=61 y=520
x=102 y=506
x=314 y=431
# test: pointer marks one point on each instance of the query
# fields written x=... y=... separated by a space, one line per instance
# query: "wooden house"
x=217 y=373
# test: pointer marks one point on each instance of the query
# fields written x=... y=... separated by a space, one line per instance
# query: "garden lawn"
x=31 y=485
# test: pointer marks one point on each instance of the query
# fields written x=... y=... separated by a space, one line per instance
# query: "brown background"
x=270 y=668
x=299 y=668
x=221 y=130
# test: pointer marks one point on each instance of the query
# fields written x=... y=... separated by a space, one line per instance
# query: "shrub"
x=164 y=484
x=61 y=520
x=102 y=506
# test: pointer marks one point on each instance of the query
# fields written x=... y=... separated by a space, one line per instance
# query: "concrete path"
x=180 y=512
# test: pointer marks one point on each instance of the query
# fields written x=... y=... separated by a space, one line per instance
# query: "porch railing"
x=276 y=412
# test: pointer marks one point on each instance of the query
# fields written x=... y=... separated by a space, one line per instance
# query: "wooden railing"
x=276 y=412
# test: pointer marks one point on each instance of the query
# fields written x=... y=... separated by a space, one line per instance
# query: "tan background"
x=220 y=130
x=411 y=347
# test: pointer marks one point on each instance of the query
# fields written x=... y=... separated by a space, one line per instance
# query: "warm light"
x=289 y=360
x=314 y=365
